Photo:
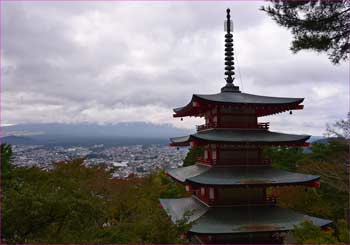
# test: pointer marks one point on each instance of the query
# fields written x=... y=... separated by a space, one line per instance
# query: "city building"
x=229 y=202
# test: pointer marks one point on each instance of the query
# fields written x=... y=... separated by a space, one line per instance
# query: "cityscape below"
x=146 y=149
x=136 y=160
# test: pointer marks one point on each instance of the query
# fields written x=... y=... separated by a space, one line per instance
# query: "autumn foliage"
x=72 y=203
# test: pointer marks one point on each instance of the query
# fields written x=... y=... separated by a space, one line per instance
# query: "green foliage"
x=329 y=161
x=307 y=233
x=334 y=151
x=6 y=164
x=344 y=233
x=340 y=129
x=284 y=157
x=168 y=188
x=72 y=203
x=310 y=201
x=318 y=25
x=331 y=200
x=52 y=206
x=193 y=154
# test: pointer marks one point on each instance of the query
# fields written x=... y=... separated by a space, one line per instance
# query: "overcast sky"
x=134 y=61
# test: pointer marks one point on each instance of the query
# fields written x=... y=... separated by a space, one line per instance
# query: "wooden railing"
x=264 y=125
x=205 y=161
x=219 y=203
x=234 y=162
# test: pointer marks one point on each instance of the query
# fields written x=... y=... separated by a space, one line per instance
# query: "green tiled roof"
x=229 y=97
x=238 y=219
x=240 y=175
x=242 y=98
x=241 y=136
x=184 y=173
x=178 y=208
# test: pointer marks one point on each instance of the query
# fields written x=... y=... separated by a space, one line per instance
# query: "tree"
x=319 y=25
x=284 y=157
x=193 y=154
x=6 y=165
x=339 y=129
x=303 y=200
x=307 y=233
x=73 y=203
x=54 y=206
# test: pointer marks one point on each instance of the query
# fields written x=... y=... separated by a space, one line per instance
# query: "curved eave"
x=239 y=137
x=177 y=208
x=235 y=220
x=267 y=105
x=184 y=173
x=255 y=183
x=180 y=141
x=263 y=219
x=238 y=176
x=248 y=99
x=298 y=142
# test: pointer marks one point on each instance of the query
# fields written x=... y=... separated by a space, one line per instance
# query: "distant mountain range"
x=90 y=134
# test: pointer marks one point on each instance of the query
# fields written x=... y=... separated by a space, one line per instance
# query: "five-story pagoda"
x=229 y=202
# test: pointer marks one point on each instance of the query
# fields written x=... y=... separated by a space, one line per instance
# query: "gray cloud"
x=135 y=61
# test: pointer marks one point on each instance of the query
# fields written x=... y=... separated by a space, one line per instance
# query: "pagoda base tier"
x=239 y=176
x=245 y=219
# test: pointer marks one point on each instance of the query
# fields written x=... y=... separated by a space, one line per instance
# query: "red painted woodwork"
x=327 y=229
x=174 y=144
x=233 y=125
x=235 y=117
x=204 y=161
x=315 y=184
x=225 y=163
x=183 y=236
x=201 y=107
x=203 y=194
x=195 y=104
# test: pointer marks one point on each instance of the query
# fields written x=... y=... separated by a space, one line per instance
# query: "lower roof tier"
x=241 y=136
x=239 y=176
x=235 y=220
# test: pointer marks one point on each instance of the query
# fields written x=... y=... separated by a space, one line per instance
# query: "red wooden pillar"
x=210 y=157
x=217 y=147
x=218 y=117
x=211 y=195
x=265 y=193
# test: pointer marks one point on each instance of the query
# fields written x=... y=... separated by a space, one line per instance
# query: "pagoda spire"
x=229 y=56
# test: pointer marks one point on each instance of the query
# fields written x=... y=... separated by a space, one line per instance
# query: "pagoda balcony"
x=264 y=125
x=218 y=203
x=267 y=201
x=270 y=200
x=204 y=161
x=245 y=162
x=234 y=162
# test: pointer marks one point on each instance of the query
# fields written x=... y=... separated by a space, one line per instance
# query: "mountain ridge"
x=88 y=134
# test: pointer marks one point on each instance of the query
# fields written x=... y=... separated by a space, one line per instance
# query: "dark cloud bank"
x=121 y=62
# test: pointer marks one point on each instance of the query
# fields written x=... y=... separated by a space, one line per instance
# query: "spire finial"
x=229 y=63
x=228 y=16
x=229 y=68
